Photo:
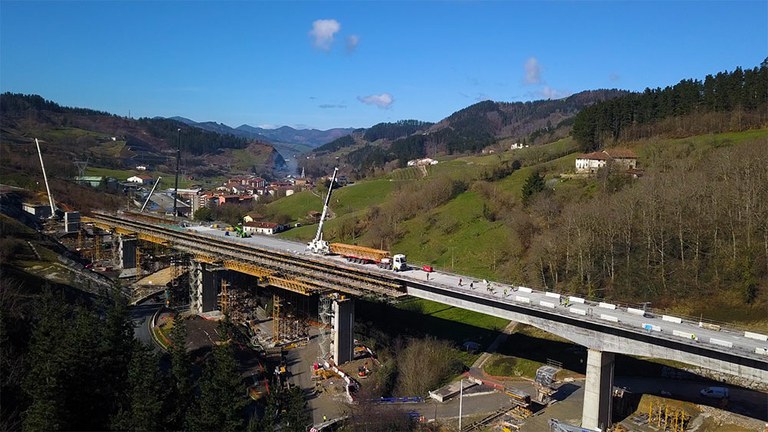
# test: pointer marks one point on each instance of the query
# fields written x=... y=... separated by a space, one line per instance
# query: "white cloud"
x=532 y=71
x=383 y=100
x=352 y=42
x=322 y=32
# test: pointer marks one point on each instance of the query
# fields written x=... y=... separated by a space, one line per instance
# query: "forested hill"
x=727 y=101
x=469 y=130
x=21 y=113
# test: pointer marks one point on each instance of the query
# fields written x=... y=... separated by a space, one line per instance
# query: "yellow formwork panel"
x=291 y=285
x=246 y=268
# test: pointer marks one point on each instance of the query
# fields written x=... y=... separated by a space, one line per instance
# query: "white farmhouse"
x=591 y=162
x=141 y=179
x=268 y=228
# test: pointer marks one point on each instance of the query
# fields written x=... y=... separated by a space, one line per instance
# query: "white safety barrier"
x=547 y=304
x=684 y=334
x=576 y=299
x=651 y=327
x=763 y=351
x=609 y=318
x=757 y=336
x=671 y=319
x=578 y=311
x=522 y=299
x=606 y=305
x=524 y=289
x=553 y=295
x=634 y=311
x=721 y=342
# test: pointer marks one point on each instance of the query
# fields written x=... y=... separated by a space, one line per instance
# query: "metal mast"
x=150 y=196
x=178 y=159
x=45 y=177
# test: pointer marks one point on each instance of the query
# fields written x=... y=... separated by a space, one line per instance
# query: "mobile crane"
x=354 y=253
x=318 y=245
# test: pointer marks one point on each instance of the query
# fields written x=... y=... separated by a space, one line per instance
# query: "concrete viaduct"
x=604 y=329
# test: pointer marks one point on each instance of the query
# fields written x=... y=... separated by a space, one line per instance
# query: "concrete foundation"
x=598 y=390
x=343 y=330
x=127 y=252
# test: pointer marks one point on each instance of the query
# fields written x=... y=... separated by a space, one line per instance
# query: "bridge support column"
x=127 y=252
x=598 y=390
x=343 y=330
x=203 y=287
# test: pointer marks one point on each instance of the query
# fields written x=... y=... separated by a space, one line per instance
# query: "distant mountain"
x=309 y=138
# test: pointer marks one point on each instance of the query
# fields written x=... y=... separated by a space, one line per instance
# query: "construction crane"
x=150 y=194
x=318 y=245
x=45 y=177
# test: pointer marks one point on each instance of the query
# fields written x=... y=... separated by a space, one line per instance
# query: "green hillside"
x=580 y=235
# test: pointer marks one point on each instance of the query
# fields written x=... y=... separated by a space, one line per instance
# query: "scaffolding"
x=666 y=417
x=96 y=247
x=224 y=298
x=276 y=319
x=289 y=320
x=325 y=313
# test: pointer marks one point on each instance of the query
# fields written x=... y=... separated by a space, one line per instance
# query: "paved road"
x=141 y=315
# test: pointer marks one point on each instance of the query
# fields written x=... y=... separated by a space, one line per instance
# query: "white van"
x=715 y=392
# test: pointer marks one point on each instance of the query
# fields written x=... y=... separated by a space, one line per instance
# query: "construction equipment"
x=318 y=245
x=366 y=255
x=239 y=231
x=45 y=177
x=150 y=194
x=358 y=254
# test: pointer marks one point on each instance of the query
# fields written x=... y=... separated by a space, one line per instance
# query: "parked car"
x=715 y=392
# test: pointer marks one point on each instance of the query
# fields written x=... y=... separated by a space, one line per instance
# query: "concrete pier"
x=343 y=330
x=598 y=390
x=203 y=287
x=127 y=252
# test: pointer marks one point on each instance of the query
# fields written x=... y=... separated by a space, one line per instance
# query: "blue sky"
x=357 y=63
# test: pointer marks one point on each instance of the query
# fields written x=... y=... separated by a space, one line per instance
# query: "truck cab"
x=399 y=263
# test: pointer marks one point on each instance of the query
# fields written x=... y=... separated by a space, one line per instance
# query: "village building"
x=422 y=162
x=591 y=162
x=267 y=228
x=143 y=180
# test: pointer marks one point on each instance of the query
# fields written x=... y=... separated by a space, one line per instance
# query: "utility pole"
x=461 y=400
x=178 y=159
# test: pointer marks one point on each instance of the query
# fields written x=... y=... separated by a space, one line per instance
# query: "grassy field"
x=167 y=180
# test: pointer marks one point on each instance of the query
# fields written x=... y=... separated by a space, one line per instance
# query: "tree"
x=42 y=383
x=203 y=214
x=221 y=402
x=181 y=375
x=142 y=409
x=533 y=185
x=296 y=416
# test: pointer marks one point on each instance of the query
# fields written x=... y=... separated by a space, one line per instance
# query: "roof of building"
x=594 y=156
x=262 y=224
x=615 y=153
x=621 y=153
